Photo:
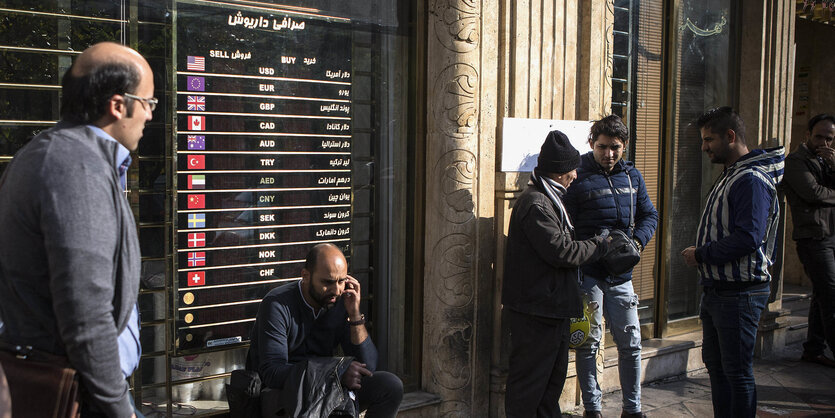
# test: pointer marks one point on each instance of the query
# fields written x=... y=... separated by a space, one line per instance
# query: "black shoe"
x=819 y=359
x=625 y=414
x=592 y=414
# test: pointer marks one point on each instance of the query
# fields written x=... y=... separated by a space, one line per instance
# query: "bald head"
x=105 y=53
x=322 y=254
x=101 y=72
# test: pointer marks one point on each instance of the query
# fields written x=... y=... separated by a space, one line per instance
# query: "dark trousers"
x=379 y=397
x=538 y=365
x=818 y=258
x=729 y=323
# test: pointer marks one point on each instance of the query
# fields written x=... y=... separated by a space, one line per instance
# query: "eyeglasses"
x=152 y=102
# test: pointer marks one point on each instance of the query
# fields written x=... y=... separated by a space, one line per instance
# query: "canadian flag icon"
x=196 y=123
x=197 y=278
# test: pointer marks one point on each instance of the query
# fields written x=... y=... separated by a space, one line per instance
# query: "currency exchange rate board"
x=263 y=133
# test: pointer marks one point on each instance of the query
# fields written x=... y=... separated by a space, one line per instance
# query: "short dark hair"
x=611 y=125
x=720 y=119
x=818 y=118
x=312 y=258
x=84 y=99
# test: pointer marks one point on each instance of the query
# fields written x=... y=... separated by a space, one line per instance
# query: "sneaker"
x=625 y=414
x=592 y=414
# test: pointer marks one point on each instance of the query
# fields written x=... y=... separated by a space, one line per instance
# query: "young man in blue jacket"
x=610 y=194
x=735 y=246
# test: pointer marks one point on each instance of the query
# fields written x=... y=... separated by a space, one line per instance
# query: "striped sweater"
x=737 y=233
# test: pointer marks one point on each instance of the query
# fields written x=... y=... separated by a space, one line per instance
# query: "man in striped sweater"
x=735 y=245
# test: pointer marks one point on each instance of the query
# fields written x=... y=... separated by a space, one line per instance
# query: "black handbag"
x=243 y=392
x=623 y=253
x=40 y=384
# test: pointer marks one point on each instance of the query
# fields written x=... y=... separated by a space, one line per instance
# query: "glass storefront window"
x=636 y=82
x=374 y=40
x=702 y=68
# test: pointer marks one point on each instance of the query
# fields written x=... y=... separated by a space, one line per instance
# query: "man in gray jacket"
x=809 y=183
x=69 y=254
x=540 y=293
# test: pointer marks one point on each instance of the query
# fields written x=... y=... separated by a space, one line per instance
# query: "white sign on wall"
x=522 y=139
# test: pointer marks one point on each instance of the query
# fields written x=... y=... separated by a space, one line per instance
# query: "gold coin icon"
x=189 y=318
x=188 y=298
x=189 y=337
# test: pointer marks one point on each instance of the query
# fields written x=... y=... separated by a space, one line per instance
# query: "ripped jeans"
x=620 y=306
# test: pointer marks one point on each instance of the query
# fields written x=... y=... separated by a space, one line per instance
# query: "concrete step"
x=796 y=301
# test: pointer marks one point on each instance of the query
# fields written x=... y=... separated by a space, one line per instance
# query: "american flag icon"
x=196 y=103
x=196 y=63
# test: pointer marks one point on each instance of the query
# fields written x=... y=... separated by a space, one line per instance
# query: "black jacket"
x=540 y=272
x=314 y=389
x=810 y=189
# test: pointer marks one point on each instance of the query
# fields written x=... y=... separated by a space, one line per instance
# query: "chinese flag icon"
x=196 y=278
x=196 y=201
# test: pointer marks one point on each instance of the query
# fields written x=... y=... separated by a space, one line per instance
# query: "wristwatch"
x=361 y=321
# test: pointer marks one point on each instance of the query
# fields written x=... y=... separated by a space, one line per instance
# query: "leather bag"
x=623 y=253
x=42 y=385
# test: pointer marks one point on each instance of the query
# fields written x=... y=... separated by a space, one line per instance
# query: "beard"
x=323 y=300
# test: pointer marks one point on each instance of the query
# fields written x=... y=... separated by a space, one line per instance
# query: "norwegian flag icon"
x=197 y=259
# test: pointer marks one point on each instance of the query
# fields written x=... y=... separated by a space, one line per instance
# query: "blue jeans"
x=729 y=323
x=620 y=306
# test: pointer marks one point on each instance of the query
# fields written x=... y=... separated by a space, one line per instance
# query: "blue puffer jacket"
x=599 y=200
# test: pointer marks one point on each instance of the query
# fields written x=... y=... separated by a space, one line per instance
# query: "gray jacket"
x=810 y=190
x=542 y=260
x=69 y=257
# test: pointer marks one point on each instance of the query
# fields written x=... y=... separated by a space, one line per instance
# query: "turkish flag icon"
x=196 y=162
x=196 y=123
x=196 y=278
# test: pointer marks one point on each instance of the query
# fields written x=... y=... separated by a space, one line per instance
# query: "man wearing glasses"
x=69 y=254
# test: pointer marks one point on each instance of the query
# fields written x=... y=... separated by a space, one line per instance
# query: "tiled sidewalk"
x=786 y=387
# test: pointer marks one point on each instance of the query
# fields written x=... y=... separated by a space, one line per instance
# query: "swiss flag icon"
x=197 y=278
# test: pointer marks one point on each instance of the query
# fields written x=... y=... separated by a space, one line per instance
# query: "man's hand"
x=828 y=155
x=689 y=255
x=352 y=378
x=351 y=296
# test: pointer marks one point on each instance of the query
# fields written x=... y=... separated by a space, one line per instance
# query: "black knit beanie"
x=557 y=156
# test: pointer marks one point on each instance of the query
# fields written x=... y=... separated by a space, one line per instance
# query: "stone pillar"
x=460 y=154
x=765 y=98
